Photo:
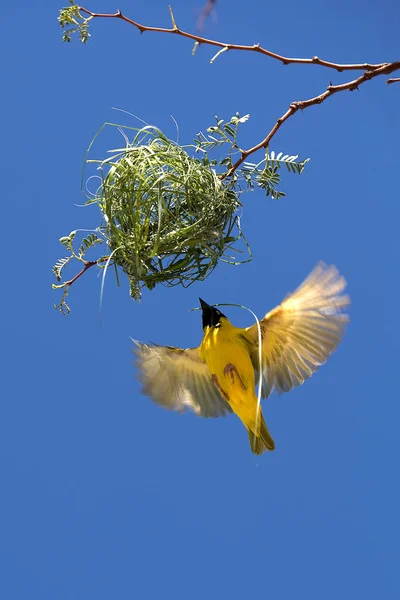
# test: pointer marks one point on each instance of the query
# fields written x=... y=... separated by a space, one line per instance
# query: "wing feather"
x=177 y=380
x=300 y=334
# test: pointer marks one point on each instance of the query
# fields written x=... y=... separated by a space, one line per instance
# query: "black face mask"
x=211 y=315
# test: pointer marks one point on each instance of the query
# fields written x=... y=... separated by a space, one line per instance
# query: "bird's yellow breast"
x=224 y=350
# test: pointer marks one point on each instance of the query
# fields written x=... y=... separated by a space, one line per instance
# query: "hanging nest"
x=167 y=217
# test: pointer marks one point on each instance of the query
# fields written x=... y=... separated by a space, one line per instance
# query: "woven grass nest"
x=167 y=216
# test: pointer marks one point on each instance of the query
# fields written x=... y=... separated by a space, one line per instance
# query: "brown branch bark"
x=255 y=48
x=393 y=80
x=351 y=86
x=87 y=266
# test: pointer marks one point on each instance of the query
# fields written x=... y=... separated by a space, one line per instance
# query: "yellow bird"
x=220 y=375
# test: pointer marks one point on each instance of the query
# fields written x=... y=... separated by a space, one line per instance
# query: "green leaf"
x=58 y=267
x=228 y=129
x=238 y=119
x=67 y=240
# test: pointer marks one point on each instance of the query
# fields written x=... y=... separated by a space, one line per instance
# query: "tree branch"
x=87 y=266
x=351 y=86
x=393 y=80
x=370 y=71
x=255 y=48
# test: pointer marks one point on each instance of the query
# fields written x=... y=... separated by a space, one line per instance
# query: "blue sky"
x=105 y=495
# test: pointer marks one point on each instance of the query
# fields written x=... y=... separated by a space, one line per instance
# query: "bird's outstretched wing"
x=299 y=335
x=177 y=379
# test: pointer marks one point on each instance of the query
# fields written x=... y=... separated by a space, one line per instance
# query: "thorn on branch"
x=224 y=49
x=174 y=25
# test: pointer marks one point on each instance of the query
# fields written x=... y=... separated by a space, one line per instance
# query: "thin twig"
x=87 y=266
x=393 y=80
x=255 y=48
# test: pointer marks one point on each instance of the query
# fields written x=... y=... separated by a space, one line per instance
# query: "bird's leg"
x=215 y=381
x=230 y=369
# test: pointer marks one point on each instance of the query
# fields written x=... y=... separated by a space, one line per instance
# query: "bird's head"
x=211 y=315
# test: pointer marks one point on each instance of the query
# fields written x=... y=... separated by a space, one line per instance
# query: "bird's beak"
x=204 y=305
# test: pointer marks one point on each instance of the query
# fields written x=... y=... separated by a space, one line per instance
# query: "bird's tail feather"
x=263 y=441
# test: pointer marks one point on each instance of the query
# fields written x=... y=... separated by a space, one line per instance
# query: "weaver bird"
x=220 y=375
